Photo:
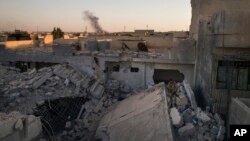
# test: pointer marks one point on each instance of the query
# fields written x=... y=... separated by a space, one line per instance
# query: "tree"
x=57 y=33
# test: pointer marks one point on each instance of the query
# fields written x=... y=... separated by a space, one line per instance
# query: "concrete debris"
x=14 y=125
x=142 y=116
x=39 y=82
x=218 y=119
x=181 y=100
x=202 y=115
x=187 y=130
x=188 y=115
x=118 y=89
x=24 y=91
x=176 y=117
x=190 y=121
x=97 y=90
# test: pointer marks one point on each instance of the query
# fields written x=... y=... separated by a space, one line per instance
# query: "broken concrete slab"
x=142 y=116
x=97 y=90
x=40 y=81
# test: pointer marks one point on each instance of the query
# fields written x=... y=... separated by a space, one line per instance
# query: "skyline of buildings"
x=161 y=15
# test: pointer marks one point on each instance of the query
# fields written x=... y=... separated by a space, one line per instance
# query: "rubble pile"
x=84 y=127
x=24 y=92
x=192 y=123
x=118 y=89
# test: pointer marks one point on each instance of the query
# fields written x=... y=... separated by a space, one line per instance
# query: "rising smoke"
x=93 y=21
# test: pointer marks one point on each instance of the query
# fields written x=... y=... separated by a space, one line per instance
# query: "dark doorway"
x=161 y=75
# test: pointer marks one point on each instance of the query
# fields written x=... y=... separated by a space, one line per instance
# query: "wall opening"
x=25 y=66
x=161 y=75
x=132 y=69
x=116 y=68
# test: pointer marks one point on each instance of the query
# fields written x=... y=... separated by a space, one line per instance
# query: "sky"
x=114 y=15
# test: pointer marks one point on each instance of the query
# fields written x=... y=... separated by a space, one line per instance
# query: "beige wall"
x=17 y=44
x=48 y=39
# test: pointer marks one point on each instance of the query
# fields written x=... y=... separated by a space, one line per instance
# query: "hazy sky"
x=161 y=15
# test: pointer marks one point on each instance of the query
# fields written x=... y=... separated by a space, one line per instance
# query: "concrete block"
x=176 y=117
x=202 y=116
x=187 y=115
x=97 y=90
x=187 y=130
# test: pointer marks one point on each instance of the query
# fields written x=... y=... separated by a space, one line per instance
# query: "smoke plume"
x=93 y=21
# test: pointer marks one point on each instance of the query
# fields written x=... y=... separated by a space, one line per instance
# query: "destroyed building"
x=184 y=86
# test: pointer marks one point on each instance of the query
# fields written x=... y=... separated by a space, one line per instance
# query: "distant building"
x=48 y=39
x=19 y=39
x=144 y=31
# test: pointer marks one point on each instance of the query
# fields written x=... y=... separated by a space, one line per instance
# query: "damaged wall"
x=223 y=37
x=204 y=9
x=144 y=76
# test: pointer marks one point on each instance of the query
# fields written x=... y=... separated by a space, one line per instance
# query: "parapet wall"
x=17 y=44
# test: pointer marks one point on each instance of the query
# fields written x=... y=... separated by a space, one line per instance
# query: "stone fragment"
x=68 y=125
x=181 y=100
x=19 y=124
x=176 y=117
x=202 y=115
x=66 y=82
